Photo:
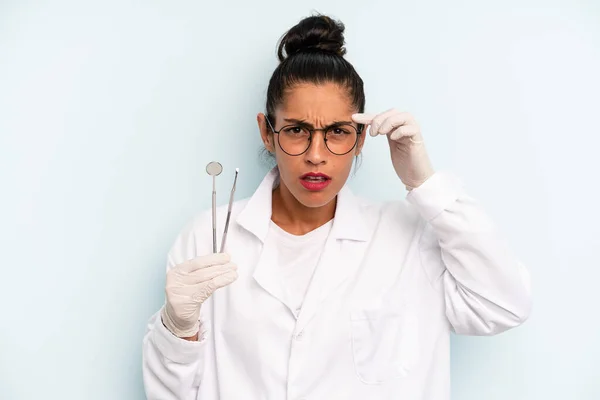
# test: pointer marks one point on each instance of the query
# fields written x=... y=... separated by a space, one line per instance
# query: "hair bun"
x=313 y=34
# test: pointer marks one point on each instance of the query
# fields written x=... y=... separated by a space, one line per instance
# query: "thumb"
x=363 y=118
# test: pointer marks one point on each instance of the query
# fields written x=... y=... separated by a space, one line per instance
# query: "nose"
x=317 y=152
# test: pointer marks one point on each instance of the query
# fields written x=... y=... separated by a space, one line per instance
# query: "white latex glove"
x=407 y=149
x=189 y=284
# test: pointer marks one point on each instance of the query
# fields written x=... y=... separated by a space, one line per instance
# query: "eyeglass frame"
x=311 y=132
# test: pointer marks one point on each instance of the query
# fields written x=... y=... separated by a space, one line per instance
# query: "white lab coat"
x=393 y=281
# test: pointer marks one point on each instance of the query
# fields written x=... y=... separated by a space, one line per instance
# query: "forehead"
x=314 y=102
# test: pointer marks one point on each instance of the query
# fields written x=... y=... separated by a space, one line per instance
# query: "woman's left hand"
x=407 y=149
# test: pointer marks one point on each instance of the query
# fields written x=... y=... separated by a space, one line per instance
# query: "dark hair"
x=313 y=52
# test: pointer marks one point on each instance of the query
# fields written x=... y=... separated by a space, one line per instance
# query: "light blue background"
x=110 y=110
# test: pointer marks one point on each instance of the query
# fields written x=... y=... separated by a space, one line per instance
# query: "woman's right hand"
x=189 y=284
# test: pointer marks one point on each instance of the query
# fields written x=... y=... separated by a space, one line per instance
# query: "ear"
x=361 y=141
x=265 y=134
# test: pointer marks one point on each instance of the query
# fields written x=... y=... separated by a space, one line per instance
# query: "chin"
x=315 y=199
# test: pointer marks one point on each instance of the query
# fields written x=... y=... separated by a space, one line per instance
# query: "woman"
x=320 y=294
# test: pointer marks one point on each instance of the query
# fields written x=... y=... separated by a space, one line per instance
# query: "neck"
x=295 y=218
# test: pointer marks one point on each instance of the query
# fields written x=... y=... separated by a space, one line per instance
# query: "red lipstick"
x=315 y=181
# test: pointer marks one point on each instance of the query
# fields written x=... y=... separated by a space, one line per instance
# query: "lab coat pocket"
x=385 y=344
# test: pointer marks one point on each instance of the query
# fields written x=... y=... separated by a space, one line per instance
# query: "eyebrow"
x=304 y=123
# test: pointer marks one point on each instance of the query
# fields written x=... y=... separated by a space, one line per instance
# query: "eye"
x=338 y=130
x=294 y=130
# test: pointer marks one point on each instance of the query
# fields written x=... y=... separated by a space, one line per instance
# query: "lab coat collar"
x=348 y=224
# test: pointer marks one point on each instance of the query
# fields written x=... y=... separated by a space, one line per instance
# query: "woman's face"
x=315 y=177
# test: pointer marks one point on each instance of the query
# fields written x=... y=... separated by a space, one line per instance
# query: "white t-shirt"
x=297 y=258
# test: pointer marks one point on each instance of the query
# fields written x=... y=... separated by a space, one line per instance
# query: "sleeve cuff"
x=178 y=350
x=435 y=195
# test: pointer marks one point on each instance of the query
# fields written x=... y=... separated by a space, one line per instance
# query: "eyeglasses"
x=295 y=140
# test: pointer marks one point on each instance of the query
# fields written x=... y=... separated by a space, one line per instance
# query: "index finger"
x=363 y=118
x=205 y=261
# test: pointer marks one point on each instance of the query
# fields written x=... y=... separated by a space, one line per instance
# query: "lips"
x=315 y=176
x=315 y=181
